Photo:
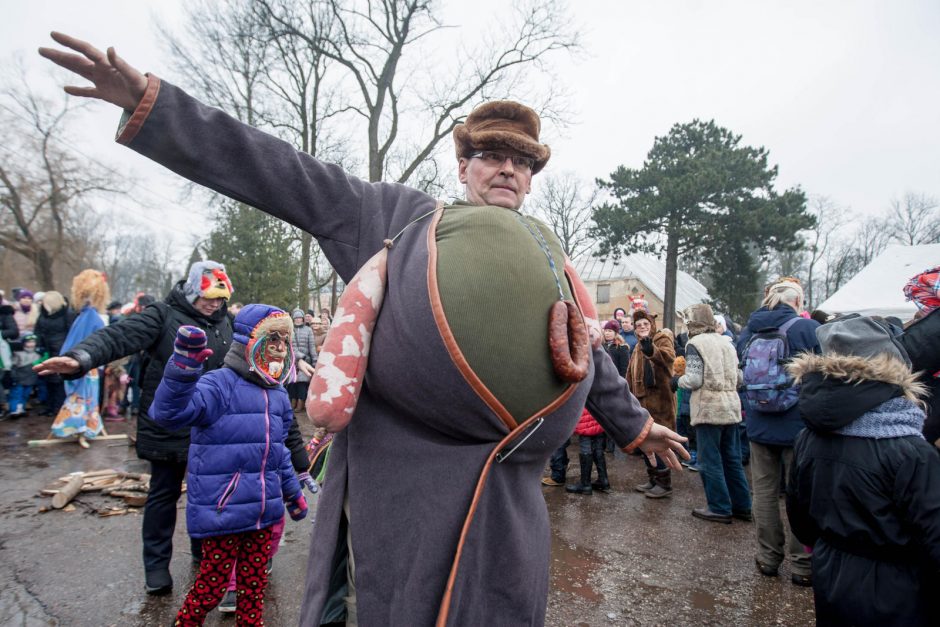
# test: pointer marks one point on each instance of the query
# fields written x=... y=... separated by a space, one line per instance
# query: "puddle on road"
x=572 y=567
x=702 y=600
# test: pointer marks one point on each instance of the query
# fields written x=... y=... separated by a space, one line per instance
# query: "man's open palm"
x=114 y=80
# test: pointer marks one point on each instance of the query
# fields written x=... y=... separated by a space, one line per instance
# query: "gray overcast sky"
x=844 y=93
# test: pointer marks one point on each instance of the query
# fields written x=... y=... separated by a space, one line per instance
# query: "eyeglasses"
x=497 y=158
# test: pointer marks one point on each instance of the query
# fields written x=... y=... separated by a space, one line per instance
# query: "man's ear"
x=462 y=169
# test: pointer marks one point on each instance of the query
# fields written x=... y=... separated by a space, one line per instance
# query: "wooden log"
x=53 y=441
x=67 y=493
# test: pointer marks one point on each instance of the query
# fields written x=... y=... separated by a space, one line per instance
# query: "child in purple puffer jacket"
x=240 y=475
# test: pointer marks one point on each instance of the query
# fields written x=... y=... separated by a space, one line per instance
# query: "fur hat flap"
x=500 y=125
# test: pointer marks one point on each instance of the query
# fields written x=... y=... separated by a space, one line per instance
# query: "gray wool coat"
x=441 y=532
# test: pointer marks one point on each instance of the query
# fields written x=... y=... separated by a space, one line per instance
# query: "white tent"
x=877 y=290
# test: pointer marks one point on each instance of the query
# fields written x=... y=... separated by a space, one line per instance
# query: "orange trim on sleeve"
x=629 y=448
x=450 y=342
x=129 y=131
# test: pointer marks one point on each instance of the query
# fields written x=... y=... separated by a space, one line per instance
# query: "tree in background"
x=914 y=220
x=701 y=193
x=565 y=203
x=259 y=254
x=46 y=189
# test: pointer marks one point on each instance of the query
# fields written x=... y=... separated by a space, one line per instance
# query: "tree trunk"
x=672 y=270
x=44 y=270
x=303 y=294
x=333 y=280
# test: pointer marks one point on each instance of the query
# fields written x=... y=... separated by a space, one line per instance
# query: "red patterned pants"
x=219 y=553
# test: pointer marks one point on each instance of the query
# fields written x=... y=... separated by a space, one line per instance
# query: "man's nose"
x=507 y=167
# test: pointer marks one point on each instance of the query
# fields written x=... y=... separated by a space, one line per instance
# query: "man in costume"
x=464 y=399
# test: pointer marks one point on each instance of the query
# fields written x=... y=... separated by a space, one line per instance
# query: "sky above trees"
x=842 y=94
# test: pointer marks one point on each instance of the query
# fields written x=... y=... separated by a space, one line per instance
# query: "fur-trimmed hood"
x=837 y=389
x=854 y=370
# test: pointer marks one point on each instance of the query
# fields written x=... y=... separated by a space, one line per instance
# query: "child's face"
x=29 y=345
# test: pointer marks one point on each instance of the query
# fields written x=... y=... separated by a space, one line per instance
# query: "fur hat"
x=860 y=336
x=251 y=327
x=501 y=125
x=699 y=319
x=642 y=314
x=612 y=325
x=207 y=279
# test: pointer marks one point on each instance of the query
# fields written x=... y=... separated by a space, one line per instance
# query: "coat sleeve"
x=614 y=407
x=921 y=340
x=348 y=216
x=917 y=493
x=125 y=337
x=290 y=485
x=186 y=399
x=294 y=442
x=798 y=497
x=694 y=376
x=664 y=352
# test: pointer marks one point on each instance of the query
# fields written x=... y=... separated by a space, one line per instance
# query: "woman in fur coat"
x=650 y=378
x=864 y=488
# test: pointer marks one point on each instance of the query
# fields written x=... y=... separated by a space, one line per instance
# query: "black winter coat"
x=8 y=328
x=154 y=330
x=921 y=340
x=620 y=355
x=869 y=507
x=52 y=329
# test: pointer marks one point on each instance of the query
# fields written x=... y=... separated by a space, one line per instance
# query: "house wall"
x=621 y=291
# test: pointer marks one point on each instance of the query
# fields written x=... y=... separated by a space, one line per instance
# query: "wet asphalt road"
x=618 y=558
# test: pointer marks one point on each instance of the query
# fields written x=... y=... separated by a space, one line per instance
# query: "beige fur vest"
x=716 y=402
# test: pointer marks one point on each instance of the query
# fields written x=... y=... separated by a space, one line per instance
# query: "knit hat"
x=311 y=312
x=699 y=319
x=621 y=310
x=251 y=328
x=860 y=336
x=924 y=290
x=502 y=125
x=297 y=313
x=207 y=279
x=24 y=294
x=612 y=325
x=114 y=304
x=26 y=337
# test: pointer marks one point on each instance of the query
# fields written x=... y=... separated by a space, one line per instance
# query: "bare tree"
x=372 y=42
x=565 y=203
x=914 y=220
x=45 y=189
x=830 y=221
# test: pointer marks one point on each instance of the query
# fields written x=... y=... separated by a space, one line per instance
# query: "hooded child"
x=240 y=476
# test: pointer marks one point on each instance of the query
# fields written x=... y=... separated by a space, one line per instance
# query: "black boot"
x=650 y=484
x=600 y=461
x=585 y=486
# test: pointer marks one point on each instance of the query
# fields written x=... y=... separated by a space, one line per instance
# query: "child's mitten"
x=307 y=481
x=297 y=507
x=189 y=350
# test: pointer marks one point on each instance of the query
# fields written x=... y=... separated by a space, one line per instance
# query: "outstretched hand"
x=114 y=80
x=57 y=365
x=666 y=444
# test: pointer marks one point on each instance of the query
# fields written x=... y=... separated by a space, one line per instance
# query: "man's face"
x=208 y=306
x=626 y=323
x=491 y=183
x=309 y=319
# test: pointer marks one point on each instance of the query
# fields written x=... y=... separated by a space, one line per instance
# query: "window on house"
x=603 y=294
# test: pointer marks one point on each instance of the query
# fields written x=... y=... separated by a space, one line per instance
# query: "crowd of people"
x=434 y=281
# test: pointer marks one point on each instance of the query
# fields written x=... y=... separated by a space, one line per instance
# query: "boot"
x=585 y=486
x=600 y=461
x=663 y=487
x=650 y=484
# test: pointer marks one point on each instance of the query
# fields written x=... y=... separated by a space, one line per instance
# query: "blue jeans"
x=18 y=397
x=719 y=462
x=559 y=462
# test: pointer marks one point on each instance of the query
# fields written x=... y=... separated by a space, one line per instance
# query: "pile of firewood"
x=131 y=487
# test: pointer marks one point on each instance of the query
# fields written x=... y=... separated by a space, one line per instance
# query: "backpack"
x=767 y=385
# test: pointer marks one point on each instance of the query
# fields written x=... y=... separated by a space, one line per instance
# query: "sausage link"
x=568 y=342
